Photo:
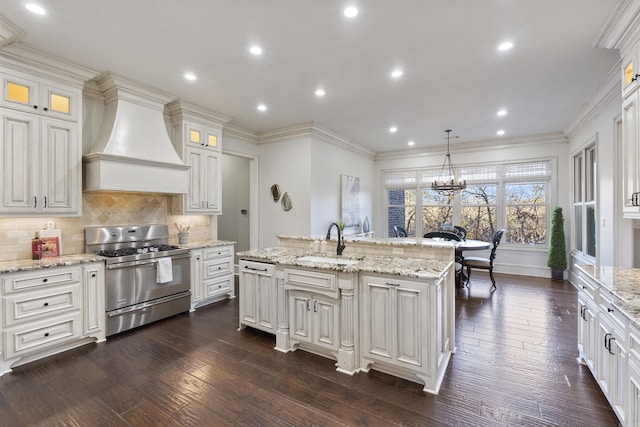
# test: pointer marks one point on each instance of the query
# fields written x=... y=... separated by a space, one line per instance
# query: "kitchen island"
x=386 y=305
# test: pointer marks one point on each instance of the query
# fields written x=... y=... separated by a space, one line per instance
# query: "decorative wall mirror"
x=286 y=202
x=275 y=192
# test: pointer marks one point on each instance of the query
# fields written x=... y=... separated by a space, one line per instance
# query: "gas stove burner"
x=118 y=252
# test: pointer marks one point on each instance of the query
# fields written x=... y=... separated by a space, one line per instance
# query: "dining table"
x=467 y=245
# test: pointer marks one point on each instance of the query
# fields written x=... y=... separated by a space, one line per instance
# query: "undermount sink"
x=327 y=260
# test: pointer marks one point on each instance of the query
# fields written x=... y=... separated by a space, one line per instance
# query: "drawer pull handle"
x=610 y=310
x=392 y=284
x=46 y=304
x=46 y=334
x=255 y=269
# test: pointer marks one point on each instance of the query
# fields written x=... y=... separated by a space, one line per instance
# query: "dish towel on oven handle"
x=165 y=270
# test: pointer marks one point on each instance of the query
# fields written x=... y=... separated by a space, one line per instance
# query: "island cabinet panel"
x=406 y=327
x=258 y=292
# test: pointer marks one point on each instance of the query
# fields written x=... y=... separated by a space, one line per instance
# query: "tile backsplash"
x=103 y=208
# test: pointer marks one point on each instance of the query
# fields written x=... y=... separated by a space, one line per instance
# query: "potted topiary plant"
x=557 y=259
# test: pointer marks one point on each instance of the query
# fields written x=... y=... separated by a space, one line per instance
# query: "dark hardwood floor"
x=515 y=365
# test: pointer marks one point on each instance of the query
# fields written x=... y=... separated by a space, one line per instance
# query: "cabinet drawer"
x=217 y=268
x=588 y=287
x=217 y=287
x=20 y=341
x=35 y=305
x=217 y=252
x=315 y=281
x=40 y=279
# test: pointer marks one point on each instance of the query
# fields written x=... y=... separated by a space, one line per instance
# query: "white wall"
x=288 y=164
x=528 y=261
x=328 y=163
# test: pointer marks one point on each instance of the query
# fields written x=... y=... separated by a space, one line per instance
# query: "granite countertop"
x=207 y=244
x=623 y=283
x=61 y=261
x=402 y=241
x=401 y=266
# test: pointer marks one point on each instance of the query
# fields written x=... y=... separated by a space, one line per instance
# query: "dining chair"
x=447 y=235
x=400 y=231
x=484 y=263
x=461 y=231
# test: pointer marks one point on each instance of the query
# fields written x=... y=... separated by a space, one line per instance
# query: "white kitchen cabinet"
x=630 y=155
x=314 y=319
x=50 y=310
x=94 y=299
x=612 y=362
x=41 y=165
x=314 y=310
x=258 y=293
x=38 y=96
x=197 y=137
x=211 y=275
x=587 y=330
x=205 y=194
x=405 y=328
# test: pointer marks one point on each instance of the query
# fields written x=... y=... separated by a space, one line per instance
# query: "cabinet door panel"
x=380 y=320
x=248 y=297
x=61 y=166
x=195 y=200
x=326 y=321
x=300 y=317
x=19 y=155
x=409 y=339
x=212 y=168
x=266 y=315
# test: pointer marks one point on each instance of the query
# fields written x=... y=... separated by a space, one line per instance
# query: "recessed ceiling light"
x=393 y=129
x=351 y=12
x=396 y=73
x=505 y=46
x=190 y=76
x=500 y=132
x=35 y=8
x=262 y=107
x=502 y=112
x=256 y=50
x=320 y=93
x=411 y=143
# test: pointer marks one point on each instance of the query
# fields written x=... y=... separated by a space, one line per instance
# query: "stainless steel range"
x=146 y=279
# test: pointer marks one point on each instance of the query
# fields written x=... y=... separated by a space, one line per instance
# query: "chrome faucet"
x=341 y=244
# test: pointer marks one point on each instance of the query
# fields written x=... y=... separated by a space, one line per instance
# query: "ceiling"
x=454 y=75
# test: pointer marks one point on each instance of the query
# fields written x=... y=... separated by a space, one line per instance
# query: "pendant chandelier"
x=446 y=181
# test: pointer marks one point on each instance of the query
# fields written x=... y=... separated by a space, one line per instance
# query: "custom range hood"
x=132 y=150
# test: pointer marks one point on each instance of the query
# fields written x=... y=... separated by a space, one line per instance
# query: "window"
x=513 y=196
x=584 y=200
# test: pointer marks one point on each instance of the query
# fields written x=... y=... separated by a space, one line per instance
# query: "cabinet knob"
x=45 y=109
x=93 y=274
x=46 y=334
x=35 y=107
x=46 y=304
x=45 y=280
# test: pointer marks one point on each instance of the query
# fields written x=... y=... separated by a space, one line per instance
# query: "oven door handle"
x=144 y=261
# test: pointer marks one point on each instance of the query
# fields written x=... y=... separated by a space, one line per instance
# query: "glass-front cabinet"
x=38 y=96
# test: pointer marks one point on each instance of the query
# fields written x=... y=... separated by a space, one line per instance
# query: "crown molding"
x=313 y=130
x=240 y=133
x=609 y=90
x=475 y=146
x=185 y=110
x=9 y=32
x=24 y=57
x=623 y=21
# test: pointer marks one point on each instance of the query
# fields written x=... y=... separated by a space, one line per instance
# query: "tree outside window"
x=437 y=208
x=526 y=213
x=478 y=211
